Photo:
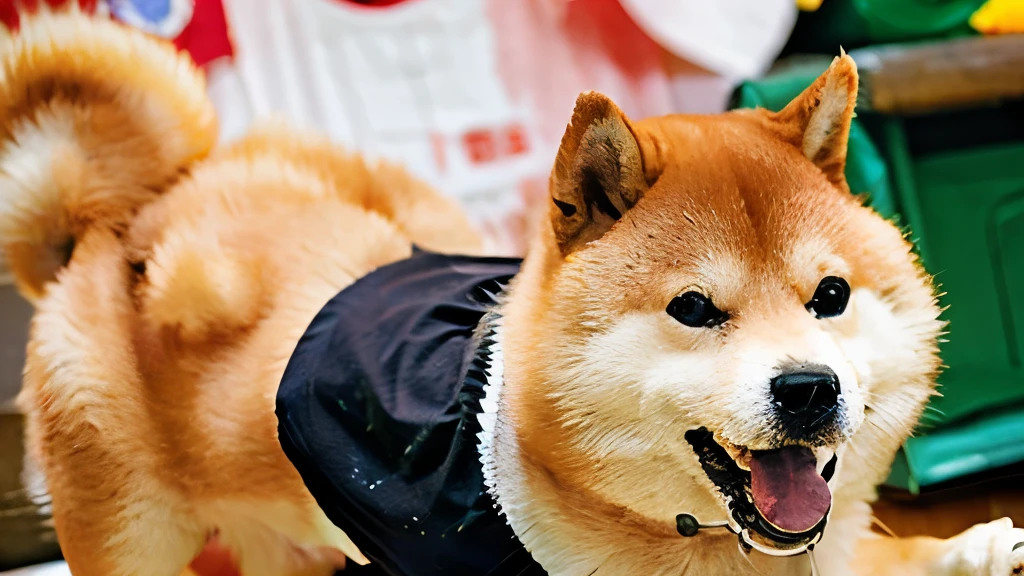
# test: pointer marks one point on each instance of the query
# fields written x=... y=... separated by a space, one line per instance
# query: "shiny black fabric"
x=377 y=411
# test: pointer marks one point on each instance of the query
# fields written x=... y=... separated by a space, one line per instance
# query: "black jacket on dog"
x=377 y=410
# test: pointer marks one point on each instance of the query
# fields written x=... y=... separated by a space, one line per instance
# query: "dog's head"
x=720 y=328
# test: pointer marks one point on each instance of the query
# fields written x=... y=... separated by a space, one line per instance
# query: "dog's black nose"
x=806 y=399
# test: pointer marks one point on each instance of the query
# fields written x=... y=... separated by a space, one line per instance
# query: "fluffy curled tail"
x=96 y=119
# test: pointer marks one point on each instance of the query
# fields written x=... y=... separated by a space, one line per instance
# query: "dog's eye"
x=695 y=310
x=830 y=298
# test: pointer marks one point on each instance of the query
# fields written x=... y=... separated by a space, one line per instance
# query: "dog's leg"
x=86 y=426
x=983 y=550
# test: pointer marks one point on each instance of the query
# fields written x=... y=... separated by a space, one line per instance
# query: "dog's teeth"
x=740 y=455
x=823 y=455
x=733 y=451
x=743 y=459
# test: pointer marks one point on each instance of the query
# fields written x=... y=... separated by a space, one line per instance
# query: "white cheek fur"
x=884 y=348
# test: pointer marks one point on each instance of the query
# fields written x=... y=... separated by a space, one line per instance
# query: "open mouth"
x=778 y=500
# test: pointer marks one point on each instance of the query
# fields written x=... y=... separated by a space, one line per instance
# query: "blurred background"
x=473 y=96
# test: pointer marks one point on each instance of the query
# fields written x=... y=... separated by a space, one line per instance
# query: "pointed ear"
x=818 y=120
x=604 y=165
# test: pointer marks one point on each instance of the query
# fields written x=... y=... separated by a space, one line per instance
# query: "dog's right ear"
x=604 y=165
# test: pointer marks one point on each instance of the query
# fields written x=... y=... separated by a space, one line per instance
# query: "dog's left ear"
x=818 y=120
x=604 y=166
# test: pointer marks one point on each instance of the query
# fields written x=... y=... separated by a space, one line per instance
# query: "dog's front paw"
x=992 y=549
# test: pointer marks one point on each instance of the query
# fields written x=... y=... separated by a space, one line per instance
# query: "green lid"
x=897 y=20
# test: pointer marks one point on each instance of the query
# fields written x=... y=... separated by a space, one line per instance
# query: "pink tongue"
x=787 y=489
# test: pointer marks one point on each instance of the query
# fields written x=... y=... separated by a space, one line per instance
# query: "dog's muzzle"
x=779 y=507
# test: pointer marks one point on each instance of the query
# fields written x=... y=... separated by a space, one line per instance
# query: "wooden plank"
x=947 y=514
x=922 y=78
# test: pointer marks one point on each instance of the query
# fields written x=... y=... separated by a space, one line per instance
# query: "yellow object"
x=999 y=17
x=808 y=5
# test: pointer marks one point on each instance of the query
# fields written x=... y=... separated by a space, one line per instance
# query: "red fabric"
x=206 y=37
x=9 y=9
x=8 y=14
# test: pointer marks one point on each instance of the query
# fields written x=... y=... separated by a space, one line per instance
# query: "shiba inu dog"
x=709 y=331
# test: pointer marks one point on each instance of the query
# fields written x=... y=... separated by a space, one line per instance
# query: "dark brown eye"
x=695 y=310
x=830 y=298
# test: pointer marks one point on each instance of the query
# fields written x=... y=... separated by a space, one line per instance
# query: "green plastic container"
x=967 y=211
x=858 y=23
x=964 y=205
x=900 y=20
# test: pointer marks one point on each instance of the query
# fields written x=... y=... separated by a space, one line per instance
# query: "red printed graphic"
x=515 y=139
x=480 y=146
x=206 y=36
x=489 y=145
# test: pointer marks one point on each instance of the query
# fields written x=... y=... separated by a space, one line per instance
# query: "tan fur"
x=172 y=283
x=155 y=356
x=80 y=139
